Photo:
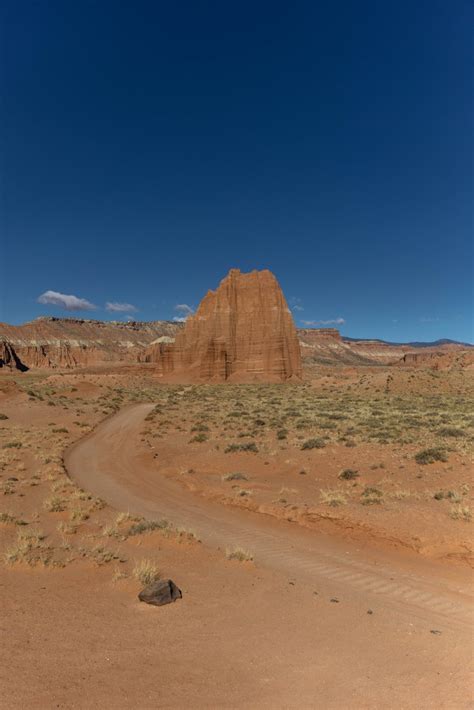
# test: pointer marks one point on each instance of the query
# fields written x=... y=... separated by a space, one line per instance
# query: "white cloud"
x=65 y=301
x=429 y=320
x=295 y=304
x=120 y=307
x=332 y=321
x=184 y=308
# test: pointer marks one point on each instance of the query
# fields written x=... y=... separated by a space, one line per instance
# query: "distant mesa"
x=242 y=332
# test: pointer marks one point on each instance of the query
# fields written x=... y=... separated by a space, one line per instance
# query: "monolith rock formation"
x=242 y=332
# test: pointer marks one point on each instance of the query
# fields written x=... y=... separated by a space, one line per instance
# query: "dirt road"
x=110 y=463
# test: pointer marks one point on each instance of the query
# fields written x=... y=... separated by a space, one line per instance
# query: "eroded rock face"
x=242 y=332
x=67 y=343
x=9 y=358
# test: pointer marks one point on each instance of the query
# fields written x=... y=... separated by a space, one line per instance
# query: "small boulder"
x=163 y=591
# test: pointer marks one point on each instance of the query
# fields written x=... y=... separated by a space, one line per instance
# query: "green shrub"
x=451 y=431
x=144 y=526
x=232 y=448
x=427 y=456
x=235 y=477
x=317 y=443
x=200 y=427
x=199 y=438
x=348 y=474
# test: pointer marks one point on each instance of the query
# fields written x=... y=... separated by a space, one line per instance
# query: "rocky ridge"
x=72 y=342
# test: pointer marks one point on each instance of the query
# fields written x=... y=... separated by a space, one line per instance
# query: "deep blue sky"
x=151 y=146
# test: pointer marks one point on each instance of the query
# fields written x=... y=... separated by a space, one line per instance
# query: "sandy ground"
x=262 y=634
x=241 y=637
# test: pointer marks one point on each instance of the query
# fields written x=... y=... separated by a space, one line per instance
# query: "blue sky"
x=152 y=146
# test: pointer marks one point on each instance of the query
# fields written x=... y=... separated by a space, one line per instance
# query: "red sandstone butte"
x=242 y=332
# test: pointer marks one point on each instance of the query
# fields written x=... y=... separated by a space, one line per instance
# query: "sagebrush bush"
x=317 y=443
x=432 y=455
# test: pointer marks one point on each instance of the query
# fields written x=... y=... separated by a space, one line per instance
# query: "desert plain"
x=319 y=528
x=377 y=482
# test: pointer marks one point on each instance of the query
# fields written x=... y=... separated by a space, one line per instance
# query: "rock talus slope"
x=242 y=332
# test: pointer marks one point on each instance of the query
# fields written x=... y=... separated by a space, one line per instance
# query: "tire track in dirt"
x=106 y=463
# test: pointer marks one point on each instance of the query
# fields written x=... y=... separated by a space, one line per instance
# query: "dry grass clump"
x=66 y=528
x=238 y=553
x=8 y=488
x=9 y=519
x=101 y=555
x=146 y=572
x=453 y=495
x=333 y=498
x=183 y=534
x=115 y=528
x=371 y=496
x=110 y=530
x=79 y=514
x=401 y=494
x=55 y=504
x=30 y=548
x=460 y=512
x=118 y=575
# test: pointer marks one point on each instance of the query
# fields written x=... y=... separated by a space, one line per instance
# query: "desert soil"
x=340 y=607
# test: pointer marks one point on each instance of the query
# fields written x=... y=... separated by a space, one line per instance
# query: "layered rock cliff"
x=242 y=332
x=436 y=360
x=72 y=342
